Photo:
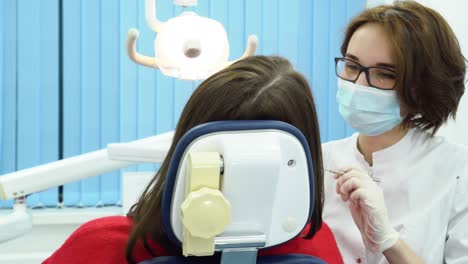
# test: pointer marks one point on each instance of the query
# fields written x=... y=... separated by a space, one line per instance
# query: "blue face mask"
x=368 y=110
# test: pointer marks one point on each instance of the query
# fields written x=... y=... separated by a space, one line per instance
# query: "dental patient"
x=255 y=88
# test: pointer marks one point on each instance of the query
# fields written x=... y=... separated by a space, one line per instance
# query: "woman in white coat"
x=395 y=193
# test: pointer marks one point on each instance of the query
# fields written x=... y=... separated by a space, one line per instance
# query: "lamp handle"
x=252 y=43
x=133 y=54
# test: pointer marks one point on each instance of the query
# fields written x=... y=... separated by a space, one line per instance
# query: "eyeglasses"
x=378 y=77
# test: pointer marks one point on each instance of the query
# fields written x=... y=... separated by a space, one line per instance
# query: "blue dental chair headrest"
x=267 y=179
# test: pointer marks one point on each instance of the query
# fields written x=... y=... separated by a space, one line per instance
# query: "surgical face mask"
x=369 y=110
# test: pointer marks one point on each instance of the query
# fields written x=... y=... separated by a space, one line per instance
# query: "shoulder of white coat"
x=454 y=155
x=427 y=143
x=462 y=157
x=456 y=151
x=459 y=159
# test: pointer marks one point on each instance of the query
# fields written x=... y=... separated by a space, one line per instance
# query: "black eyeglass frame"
x=362 y=69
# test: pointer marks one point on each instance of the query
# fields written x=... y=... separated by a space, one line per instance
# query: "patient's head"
x=255 y=88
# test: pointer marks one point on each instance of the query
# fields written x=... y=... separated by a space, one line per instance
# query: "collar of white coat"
x=392 y=153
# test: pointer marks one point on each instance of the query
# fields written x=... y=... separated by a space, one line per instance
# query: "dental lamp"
x=188 y=47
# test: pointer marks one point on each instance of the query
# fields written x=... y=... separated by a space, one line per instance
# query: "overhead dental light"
x=189 y=46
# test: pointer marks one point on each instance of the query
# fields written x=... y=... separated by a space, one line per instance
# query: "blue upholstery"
x=279 y=259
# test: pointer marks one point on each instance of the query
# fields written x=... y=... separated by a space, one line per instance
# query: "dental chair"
x=235 y=187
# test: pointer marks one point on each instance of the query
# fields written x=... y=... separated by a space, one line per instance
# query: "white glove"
x=366 y=202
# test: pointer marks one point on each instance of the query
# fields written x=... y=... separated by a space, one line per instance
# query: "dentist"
x=395 y=192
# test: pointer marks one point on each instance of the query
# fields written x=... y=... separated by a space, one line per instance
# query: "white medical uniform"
x=425 y=184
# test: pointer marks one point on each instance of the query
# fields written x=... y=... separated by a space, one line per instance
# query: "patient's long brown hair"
x=255 y=88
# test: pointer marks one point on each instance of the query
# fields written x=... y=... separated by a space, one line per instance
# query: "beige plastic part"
x=2 y=193
x=252 y=43
x=205 y=211
x=133 y=54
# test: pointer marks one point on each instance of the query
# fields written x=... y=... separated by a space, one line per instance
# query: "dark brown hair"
x=431 y=68
x=255 y=88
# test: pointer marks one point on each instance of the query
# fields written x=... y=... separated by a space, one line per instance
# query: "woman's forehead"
x=371 y=45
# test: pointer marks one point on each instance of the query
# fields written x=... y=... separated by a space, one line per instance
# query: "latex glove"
x=366 y=202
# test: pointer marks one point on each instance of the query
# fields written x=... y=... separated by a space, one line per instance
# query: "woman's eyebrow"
x=351 y=56
x=386 y=65
x=379 y=64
